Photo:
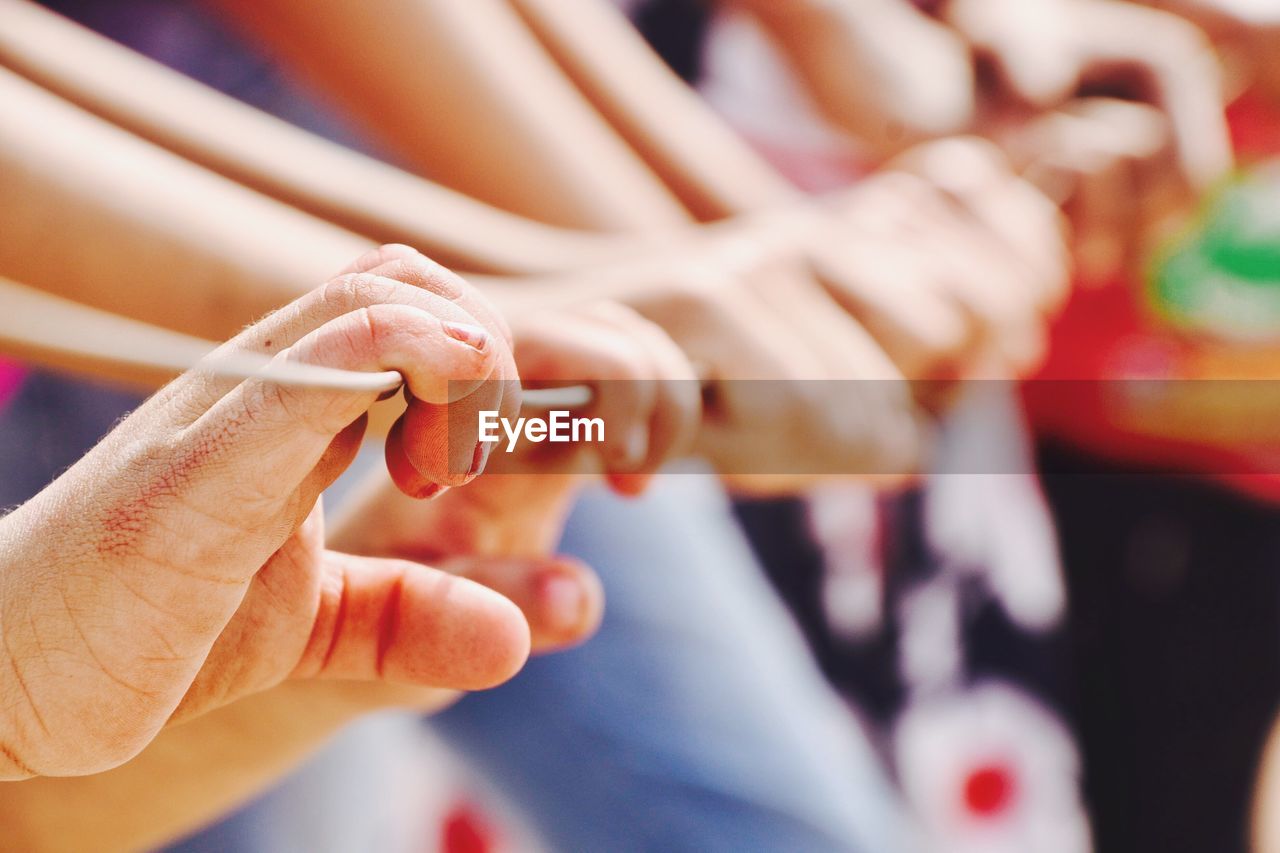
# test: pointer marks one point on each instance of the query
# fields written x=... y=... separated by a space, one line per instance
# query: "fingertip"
x=568 y=604
x=407 y=478
x=630 y=485
x=503 y=641
x=378 y=256
x=480 y=641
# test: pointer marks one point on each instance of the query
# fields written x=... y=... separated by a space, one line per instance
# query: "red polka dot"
x=989 y=789
x=466 y=831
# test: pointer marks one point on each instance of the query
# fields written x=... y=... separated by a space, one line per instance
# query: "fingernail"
x=562 y=602
x=428 y=491
x=637 y=447
x=477 y=461
x=472 y=336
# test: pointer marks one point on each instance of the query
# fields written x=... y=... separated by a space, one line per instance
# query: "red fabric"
x=465 y=830
x=1109 y=333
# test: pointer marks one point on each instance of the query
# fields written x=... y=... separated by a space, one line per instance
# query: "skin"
x=749 y=314
x=272 y=157
x=880 y=70
x=383 y=69
x=494 y=534
x=690 y=150
x=109 y=230
x=98 y=270
x=804 y=344
x=1247 y=31
x=1046 y=50
x=140 y=627
x=1096 y=157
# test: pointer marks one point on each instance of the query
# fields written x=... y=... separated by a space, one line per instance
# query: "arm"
x=143 y=233
x=878 y=69
x=190 y=775
x=275 y=158
x=517 y=135
x=714 y=173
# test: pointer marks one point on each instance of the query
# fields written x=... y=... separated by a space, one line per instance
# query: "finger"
x=974 y=271
x=677 y=406
x=881 y=279
x=400 y=622
x=1030 y=45
x=932 y=240
x=617 y=368
x=562 y=599
x=864 y=416
x=886 y=290
x=378 y=256
x=989 y=281
x=260 y=441
x=975 y=177
x=414 y=268
x=1102 y=212
x=417 y=439
x=1181 y=68
x=193 y=393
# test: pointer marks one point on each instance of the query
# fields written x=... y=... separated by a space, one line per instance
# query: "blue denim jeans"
x=695 y=720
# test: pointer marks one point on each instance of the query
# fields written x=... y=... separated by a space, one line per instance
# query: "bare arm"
x=275 y=158
x=140 y=232
x=190 y=775
x=517 y=135
x=704 y=162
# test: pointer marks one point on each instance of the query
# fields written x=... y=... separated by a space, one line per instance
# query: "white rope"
x=34 y=319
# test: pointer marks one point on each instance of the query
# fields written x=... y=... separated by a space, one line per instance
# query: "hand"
x=952 y=262
x=1045 y=51
x=1111 y=166
x=180 y=564
x=648 y=397
x=1246 y=31
x=797 y=390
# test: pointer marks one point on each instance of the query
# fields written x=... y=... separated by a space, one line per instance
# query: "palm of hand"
x=267 y=638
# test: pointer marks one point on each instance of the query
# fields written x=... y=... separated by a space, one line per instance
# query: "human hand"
x=181 y=565
x=643 y=389
x=1247 y=32
x=1046 y=52
x=952 y=262
x=1110 y=164
x=796 y=389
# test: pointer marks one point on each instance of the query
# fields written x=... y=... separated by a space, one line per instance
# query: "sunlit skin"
x=145 y=627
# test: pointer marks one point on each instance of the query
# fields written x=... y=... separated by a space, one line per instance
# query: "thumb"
x=466 y=626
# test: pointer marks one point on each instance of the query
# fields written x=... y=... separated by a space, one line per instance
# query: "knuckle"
x=695 y=301
x=347 y=293
x=422 y=272
x=1179 y=38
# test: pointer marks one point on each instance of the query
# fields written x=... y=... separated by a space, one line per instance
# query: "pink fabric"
x=11 y=375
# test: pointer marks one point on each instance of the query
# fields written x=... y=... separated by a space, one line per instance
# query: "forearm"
x=517 y=134
x=190 y=775
x=277 y=159
x=714 y=173
x=142 y=233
